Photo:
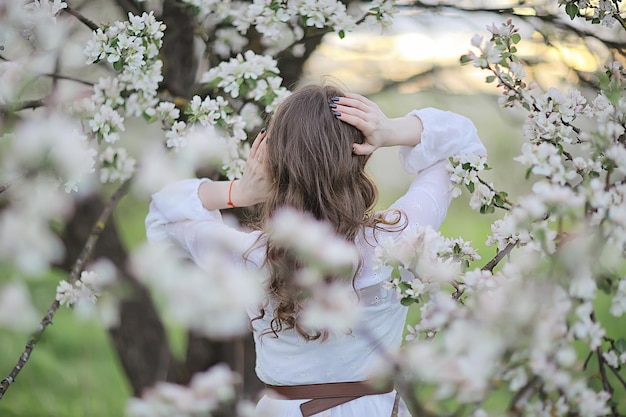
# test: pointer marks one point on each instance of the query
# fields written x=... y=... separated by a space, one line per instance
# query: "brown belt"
x=325 y=396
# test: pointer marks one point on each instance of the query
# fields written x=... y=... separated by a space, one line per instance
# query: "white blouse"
x=177 y=215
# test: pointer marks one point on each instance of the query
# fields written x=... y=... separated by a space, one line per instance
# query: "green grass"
x=72 y=371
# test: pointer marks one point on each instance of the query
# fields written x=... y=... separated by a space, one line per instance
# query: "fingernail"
x=332 y=105
x=263 y=130
x=337 y=114
x=335 y=99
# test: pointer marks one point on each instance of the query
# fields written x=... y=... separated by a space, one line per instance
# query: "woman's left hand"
x=254 y=185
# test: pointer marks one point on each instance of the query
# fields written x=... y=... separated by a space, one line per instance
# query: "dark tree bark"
x=179 y=58
x=140 y=339
x=291 y=67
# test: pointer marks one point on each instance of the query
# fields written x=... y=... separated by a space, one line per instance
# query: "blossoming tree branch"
x=534 y=325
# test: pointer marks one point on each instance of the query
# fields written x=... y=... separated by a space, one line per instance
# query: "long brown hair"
x=313 y=169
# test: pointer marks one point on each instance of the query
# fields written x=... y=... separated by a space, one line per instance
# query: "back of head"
x=313 y=169
x=310 y=158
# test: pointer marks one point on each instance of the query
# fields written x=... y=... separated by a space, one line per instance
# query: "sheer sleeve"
x=176 y=216
x=444 y=134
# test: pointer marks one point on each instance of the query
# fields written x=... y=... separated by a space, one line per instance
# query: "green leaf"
x=395 y=274
x=515 y=38
x=118 y=65
x=620 y=345
x=470 y=187
x=407 y=301
x=490 y=79
x=148 y=118
x=528 y=171
x=342 y=34
x=605 y=286
x=572 y=10
x=465 y=59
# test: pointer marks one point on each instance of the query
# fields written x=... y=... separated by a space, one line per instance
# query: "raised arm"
x=251 y=189
x=379 y=130
x=186 y=213
x=427 y=138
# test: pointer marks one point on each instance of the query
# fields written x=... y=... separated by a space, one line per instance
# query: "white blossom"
x=206 y=391
x=17 y=312
x=482 y=196
x=618 y=303
x=116 y=165
x=204 y=292
x=332 y=307
x=313 y=240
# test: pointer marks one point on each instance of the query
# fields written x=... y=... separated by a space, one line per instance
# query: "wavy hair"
x=313 y=170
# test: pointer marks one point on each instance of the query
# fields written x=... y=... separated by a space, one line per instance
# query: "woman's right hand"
x=366 y=116
x=378 y=129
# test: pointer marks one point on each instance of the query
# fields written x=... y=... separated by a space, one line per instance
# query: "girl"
x=312 y=158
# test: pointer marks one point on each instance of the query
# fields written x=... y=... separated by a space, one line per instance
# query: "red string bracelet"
x=230 y=191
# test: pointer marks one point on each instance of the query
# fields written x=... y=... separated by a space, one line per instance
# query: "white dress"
x=176 y=214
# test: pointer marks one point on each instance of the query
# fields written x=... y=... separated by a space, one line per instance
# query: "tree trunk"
x=140 y=339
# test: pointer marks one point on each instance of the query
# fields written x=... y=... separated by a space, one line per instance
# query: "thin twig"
x=89 y=23
x=22 y=105
x=84 y=256
x=519 y=395
x=496 y=259
x=605 y=381
x=68 y=78
x=618 y=376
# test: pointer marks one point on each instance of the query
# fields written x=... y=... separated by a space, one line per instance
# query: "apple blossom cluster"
x=92 y=295
x=205 y=302
x=522 y=310
x=580 y=168
x=132 y=48
x=249 y=77
x=572 y=218
x=206 y=392
x=430 y=259
x=249 y=81
x=604 y=12
x=35 y=19
x=51 y=8
x=330 y=306
x=26 y=239
x=313 y=241
x=282 y=24
x=498 y=56
x=464 y=171
x=17 y=312
x=84 y=289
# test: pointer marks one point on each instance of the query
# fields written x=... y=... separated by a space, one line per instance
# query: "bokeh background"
x=74 y=370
